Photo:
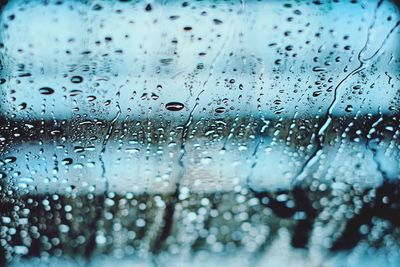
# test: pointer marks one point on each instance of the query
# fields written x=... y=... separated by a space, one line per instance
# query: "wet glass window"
x=200 y=133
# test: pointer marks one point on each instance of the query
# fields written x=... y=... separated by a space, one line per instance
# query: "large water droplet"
x=67 y=161
x=46 y=91
x=76 y=79
x=219 y=110
x=174 y=106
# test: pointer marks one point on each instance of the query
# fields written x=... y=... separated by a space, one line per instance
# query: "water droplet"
x=132 y=150
x=174 y=106
x=219 y=110
x=206 y=160
x=10 y=159
x=319 y=69
x=217 y=21
x=76 y=79
x=90 y=98
x=349 y=108
x=67 y=161
x=46 y=91
x=317 y=93
x=148 y=7
x=75 y=92
x=144 y=96
x=22 y=106
x=289 y=48
x=154 y=96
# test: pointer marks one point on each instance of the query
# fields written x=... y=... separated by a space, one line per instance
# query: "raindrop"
x=206 y=160
x=217 y=21
x=46 y=91
x=91 y=98
x=22 y=106
x=144 y=96
x=154 y=96
x=349 y=108
x=317 y=93
x=319 y=69
x=97 y=7
x=132 y=150
x=289 y=48
x=174 y=106
x=75 y=92
x=219 y=110
x=76 y=79
x=67 y=161
x=148 y=7
x=10 y=159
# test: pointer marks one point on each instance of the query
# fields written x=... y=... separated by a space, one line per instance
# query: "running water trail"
x=182 y=149
x=363 y=62
x=373 y=144
x=190 y=118
x=170 y=206
x=166 y=228
x=105 y=142
x=254 y=155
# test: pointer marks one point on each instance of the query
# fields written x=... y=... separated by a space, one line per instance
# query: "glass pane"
x=162 y=133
